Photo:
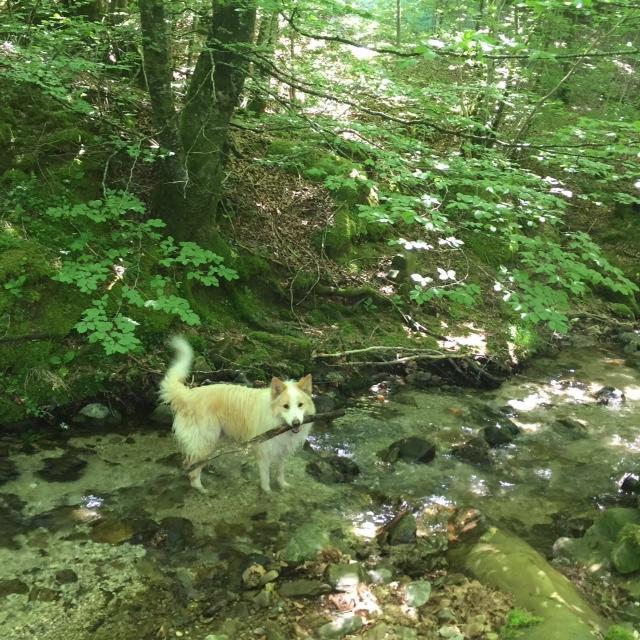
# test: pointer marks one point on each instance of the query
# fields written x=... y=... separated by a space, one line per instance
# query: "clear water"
x=547 y=483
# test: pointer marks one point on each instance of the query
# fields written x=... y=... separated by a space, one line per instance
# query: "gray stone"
x=418 y=592
x=344 y=577
x=99 y=415
x=162 y=414
x=380 y=575
x=403 y=531
x=305 y=543
x=66 y=576
x=8 y=587
x=475 y=451
x=412 y=449
x=303 y=588
x=340 y=627
x=333 y=469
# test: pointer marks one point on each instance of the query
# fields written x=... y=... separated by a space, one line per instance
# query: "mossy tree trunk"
x=189 y=177
x=265 y=50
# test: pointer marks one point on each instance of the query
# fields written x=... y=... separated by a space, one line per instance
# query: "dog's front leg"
x=282 y=483
x=264 y=467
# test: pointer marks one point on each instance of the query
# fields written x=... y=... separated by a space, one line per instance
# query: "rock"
x=450 y=632
x=303 y=588
x=7 y=587
x=475 y=451
x=8 y=470
x=631 y=484
x=305 y=543
x=66 y=468
x=270 y=576
x=145 y=530
x=324 y=403
x=42 y=594
x=344 y=577
x=112 y=531
x=264 y=599
x=66 y=576
x=340 y=627
x=575 y=424
x=420 y=379
x=333 y=469
x=162 y=414
x=412 y=449
x=12 y=522
x=625 y=555
x=500 y=433
x=380 y=575
x=503 y=561
x=416 y=593
x=403 y=531
x=178 y=532
x=252 y=575
x=446 y=615
x=98 y=415
x=475 y=627
x=609 y=396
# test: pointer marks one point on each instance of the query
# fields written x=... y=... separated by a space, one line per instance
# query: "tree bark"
x=265 y=48
x=189 y=179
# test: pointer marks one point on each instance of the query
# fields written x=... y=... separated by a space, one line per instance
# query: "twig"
x=350 y=352
x=267 y=435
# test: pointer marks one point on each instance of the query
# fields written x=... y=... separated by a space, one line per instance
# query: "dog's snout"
x=295 y=422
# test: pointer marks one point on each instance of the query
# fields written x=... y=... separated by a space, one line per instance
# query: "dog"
x=203 y=414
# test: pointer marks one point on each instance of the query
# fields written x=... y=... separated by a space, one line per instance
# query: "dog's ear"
x=277 y=387
x=306 y=384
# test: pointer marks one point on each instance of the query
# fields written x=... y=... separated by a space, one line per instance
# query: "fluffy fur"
x=203 y=414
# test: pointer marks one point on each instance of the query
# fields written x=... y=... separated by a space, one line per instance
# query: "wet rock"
x=270 y=576
x=324 y=403
x=98 y=415
x=573 y=424
x=450 y=632
x=380 y=575
x=500 y=433
x=609 y=396
x=252 y=575
x=625 y=555
x=66 y=576
x=43 y=594
x=66 y=468
x=162 y=414
x=145 y=529
x=178 y=531
x=631 y=484
x=344 y=577
x=475 y=451
x=112 y=531
x=333 y=469
x=8 y=470
x=8 y=587
x=446 y=615
x=420 y=379
x=264 y=599
x=305 y=543
x=340 y=627
x=303 y=588
x=403 y=531
x=12 y=522
x=417 y=593
x=412 y=449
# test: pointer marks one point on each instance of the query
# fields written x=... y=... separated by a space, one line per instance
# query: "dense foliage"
x=488 y=133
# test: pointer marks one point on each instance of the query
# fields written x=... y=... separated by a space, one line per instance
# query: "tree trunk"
x=188 y=183
x=211 y=99
x=265 y=48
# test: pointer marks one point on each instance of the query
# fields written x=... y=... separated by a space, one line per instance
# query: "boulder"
x=609 y=396
x=333 y=469
x=344 y=577
x=474 y=451
x=500 y=433
x=303 y=588
x=412 y=449
x=98 y=415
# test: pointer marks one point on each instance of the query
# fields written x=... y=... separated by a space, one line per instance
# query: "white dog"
x=203 y=414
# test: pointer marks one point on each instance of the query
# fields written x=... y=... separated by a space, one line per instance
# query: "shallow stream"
x=121 y=547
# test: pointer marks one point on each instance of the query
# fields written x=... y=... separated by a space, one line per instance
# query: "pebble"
x=340 y=627
x=417 y=593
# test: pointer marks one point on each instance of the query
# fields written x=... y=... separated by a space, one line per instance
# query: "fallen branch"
x=267 y=435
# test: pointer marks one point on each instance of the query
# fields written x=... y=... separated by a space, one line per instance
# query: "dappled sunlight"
x=475 y=340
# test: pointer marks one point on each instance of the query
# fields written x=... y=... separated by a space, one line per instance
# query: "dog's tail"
x=172 y=388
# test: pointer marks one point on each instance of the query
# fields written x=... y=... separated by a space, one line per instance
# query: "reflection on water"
x=136 y=545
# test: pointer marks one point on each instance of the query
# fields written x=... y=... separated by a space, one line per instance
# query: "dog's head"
x=291 y=401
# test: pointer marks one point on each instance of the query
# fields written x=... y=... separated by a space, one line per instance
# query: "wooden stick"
x=267 y=435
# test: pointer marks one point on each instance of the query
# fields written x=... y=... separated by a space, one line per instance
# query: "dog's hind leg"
x=282 y=483
x=195 y=480
x=198 y=442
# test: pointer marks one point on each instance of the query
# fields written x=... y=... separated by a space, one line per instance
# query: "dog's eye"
x=286 y=406
x=299 y=404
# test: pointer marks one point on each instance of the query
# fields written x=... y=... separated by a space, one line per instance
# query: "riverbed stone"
x=403 y=531
x=625 y=555
x=609 y=396
x=178 y=532
x=340 y=627
x=305 y=543
x=98 y=415
x=631 y=483
x=112 y=531
x=417 y=593
x=333 y=469
x=8 y=470
x=499 y=434
x=412 y=449
x=344 y=577
x=474 y=451
x=303 y=588
x=162 y=415
x=67 y=468
x=66 y=576
x=9 y=587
